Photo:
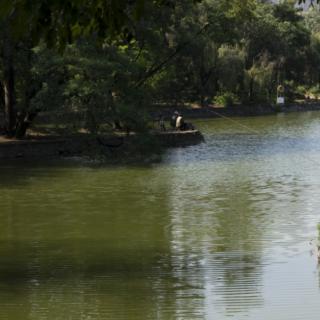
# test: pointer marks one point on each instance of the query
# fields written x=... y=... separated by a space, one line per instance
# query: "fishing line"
x=257 y=132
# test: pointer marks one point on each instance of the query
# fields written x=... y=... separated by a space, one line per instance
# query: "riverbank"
x=134 y=147
x=190 y=111
x=112 y=148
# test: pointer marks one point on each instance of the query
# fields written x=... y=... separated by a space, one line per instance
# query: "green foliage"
x=261 y=78
x=99 y=87
x=312 y=20
x=300 y=91
x=60 y=22
x=231 y=62
x=290 y=90
x=226 y=99
x=314 y=92
x=127 y=55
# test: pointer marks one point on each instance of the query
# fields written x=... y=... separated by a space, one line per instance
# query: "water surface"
x=222 y=230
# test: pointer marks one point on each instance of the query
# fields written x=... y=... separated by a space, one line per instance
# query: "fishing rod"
x=153 y=70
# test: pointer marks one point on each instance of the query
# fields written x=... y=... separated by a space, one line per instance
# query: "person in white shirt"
x=179 y=122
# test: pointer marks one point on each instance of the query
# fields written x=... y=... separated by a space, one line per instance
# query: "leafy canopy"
x=60 y=21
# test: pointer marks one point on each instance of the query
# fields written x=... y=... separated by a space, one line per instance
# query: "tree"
x=59 y=23
x=102 y=59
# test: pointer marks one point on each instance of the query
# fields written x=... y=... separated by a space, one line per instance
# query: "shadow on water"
x=44 y=258
x=21 y=172
x=86 y=243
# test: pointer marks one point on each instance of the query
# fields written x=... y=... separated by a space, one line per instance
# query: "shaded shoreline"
x=110 y=148
x=134 y=147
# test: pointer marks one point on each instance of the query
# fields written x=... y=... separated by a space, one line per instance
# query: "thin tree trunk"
x=24 y=123
x=251 y=90
x=111 y=107
x=8 y=86
x=9 y=110
x=25 y=116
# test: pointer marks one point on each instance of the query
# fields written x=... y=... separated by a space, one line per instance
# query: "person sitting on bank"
x=180 y=125
x=173 y=120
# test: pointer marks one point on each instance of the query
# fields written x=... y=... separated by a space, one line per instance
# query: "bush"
x=289 y=90
x=300 y=91
x=314 y=92
x=226 y=99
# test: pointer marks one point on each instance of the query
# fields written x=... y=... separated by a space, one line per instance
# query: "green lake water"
x=223 y=230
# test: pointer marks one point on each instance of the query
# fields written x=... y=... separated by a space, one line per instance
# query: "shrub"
x=226 y=99
x=314 y=92
x=301 y=91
